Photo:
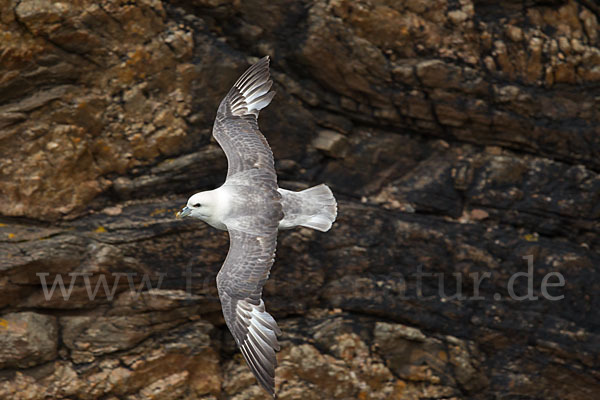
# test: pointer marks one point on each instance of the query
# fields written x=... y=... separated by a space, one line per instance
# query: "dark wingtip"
x=266 y=60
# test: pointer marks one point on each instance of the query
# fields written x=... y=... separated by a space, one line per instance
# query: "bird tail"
x=314 y=208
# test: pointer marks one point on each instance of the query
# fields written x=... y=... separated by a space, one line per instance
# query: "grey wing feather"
x=240 y=283
x=236 y=127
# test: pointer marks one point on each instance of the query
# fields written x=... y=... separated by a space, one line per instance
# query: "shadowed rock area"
x=461 y=138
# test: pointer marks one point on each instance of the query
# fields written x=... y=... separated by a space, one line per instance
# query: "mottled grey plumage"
x=252 y=221
x=236 y=126
x=252 y=208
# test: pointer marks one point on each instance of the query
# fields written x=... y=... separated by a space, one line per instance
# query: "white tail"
x=314 y=208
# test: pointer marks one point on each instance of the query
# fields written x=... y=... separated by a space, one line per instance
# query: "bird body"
x=305 y=208
x=252 y=208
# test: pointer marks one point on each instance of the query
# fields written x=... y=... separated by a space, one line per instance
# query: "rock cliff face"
x=461 y=137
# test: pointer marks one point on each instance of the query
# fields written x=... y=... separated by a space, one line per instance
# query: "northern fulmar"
x=252 y=208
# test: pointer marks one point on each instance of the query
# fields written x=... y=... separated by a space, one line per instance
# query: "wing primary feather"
x=261 y=346
x=258 y=91
x=266 y=335
x=269 y=322
x=253 y=361
x=268 y=386
x=250 y=88
x=263 y=64
x=255 y=82
x=265 y=380
x=250 y=73
x=261 y=102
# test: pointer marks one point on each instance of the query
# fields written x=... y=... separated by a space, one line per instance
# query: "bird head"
x=198 y=206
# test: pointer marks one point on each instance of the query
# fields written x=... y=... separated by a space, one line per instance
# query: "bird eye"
x=197 y=205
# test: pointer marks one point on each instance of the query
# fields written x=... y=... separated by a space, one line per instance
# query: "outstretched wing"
x=254 y=214
x=236 y=127
x=240 y=282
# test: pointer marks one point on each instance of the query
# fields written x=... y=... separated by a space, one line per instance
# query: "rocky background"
x=461 y=138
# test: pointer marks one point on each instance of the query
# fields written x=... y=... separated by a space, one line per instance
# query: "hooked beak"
x=185 y=211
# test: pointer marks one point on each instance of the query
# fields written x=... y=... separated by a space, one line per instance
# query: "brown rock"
x=457 y=16
x=331 y=143
x=403 y=346
x=433 y=73
x=564 y=73
x=514 y=33
x=27 y=339
x=65 y=160
x=478 y=214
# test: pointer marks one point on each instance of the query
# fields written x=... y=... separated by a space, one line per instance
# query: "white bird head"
x=201 y=206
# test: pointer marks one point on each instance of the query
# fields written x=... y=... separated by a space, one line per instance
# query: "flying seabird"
x=251 y=207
